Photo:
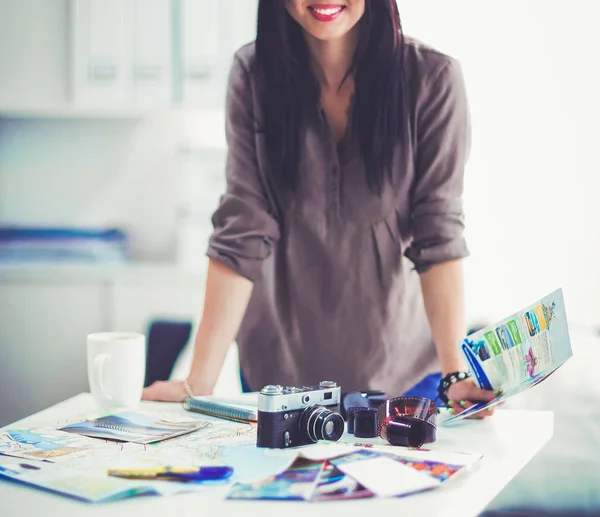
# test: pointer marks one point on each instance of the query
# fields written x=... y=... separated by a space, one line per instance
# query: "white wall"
x=532 y=214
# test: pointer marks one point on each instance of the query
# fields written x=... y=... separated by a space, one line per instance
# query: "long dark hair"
x=287 y=87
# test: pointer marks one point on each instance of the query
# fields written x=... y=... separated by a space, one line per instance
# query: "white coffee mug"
x=116 y=369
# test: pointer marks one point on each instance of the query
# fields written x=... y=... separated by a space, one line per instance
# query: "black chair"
x=166 y=340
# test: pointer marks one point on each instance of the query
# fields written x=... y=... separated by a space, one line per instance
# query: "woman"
x=337 y=248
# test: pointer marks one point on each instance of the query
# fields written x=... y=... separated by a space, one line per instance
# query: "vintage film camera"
x=290 y=417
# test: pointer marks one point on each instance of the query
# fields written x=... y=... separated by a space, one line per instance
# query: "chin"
x=327 y=33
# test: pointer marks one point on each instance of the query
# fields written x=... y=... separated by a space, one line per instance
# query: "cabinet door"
x=43 y=329
x=102 y=52
x=202 y=41
x=242 y=22
x=152 y=54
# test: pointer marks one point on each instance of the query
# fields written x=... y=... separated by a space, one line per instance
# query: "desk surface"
x=508 y=441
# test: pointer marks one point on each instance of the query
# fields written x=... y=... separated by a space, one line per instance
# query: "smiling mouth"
x=326 y=12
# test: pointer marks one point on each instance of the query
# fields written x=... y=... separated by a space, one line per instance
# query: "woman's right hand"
x=168 y=391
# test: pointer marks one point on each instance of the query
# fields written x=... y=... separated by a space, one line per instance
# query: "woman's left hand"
x=464 y=394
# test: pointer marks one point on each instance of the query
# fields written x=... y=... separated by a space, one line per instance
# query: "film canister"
x=350 y=414
x=365 y=423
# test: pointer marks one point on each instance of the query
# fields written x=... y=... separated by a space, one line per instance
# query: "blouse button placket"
x=334 y=186
x=335 y=169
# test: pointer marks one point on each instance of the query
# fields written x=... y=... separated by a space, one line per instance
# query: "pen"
x=175 y=473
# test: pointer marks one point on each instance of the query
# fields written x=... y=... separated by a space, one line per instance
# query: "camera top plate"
x=273 y=398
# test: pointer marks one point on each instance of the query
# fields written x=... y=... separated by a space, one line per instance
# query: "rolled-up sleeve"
x=442 y=148
x=245 y=226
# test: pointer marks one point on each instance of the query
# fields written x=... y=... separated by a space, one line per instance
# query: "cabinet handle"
x=150 y=72
x=102 y=72
x=199 y=73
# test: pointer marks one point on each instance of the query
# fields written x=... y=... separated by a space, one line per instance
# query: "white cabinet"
x=102 y=52
x=98 y=57
x=242 y=22
x=203 y=43
x=122 y=53
x=210 y=32
x=152 y=54
x=33 y=54
x=43 y=329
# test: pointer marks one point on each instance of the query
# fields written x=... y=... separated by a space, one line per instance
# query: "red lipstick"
x=326 y=12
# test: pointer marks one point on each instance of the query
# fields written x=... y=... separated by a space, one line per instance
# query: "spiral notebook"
x=237 y=411
x=131 y=427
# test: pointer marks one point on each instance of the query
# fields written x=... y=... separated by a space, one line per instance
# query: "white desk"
x=508 y=440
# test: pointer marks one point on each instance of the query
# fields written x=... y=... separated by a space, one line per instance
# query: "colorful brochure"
x=297 y=483
x=384 y=475
x=131 y=427
x=46 y=444
x=357 y=473
x=90 y=487
x=334 y=485
x=518 y=352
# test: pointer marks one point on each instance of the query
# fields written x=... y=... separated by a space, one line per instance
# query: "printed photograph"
x=505 y=337
x=297 y=484
x=533 y=324
x=441 y=471
x=480 y=348
x=334 y=485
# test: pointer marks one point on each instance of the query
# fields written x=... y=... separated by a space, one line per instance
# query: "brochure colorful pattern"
x=518 y=352
x=131 y=427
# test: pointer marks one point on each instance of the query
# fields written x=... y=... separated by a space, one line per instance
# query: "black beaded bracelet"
x=448 y=381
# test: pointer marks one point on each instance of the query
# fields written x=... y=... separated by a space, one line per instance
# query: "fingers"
x=460 y=406
x=165 y=391
x=151 y=392
x=476 y=393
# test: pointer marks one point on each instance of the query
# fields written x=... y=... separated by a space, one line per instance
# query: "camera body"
x=291 y=417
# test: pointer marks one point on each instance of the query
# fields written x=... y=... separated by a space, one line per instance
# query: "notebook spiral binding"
x=121 y=429
x=216 y=409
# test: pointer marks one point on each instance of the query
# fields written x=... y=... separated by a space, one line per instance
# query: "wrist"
x=450 y=356
x=198 y=385
x=448 y=380
x=453 y=366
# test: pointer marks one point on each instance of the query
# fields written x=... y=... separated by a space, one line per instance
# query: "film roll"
x=408 y=421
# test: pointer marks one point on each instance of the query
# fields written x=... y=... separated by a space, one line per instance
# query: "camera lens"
x=319 y=423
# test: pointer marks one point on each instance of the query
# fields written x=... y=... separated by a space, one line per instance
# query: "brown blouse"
x=336 y=269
